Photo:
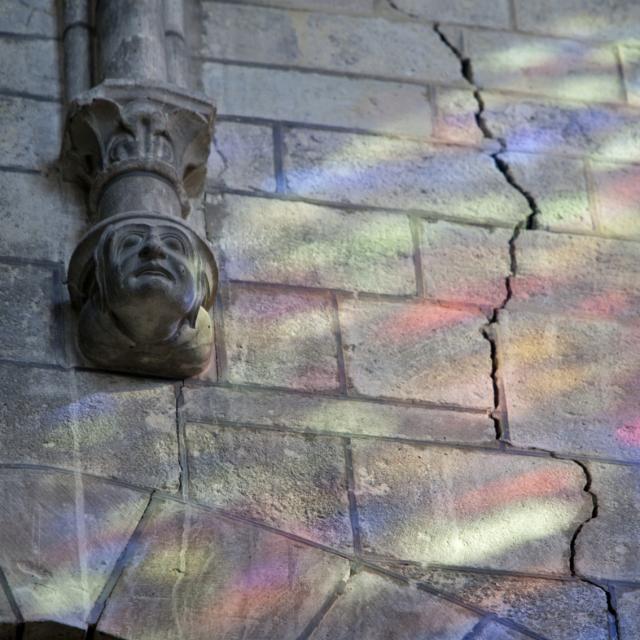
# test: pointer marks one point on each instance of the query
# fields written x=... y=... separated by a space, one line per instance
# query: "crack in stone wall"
x=499 y=413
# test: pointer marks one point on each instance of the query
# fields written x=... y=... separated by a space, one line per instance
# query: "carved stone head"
x=144 y=290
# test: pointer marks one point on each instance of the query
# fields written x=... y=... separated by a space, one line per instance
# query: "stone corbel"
x=141 y=279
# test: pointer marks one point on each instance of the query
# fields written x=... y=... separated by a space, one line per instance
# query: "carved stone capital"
x=123 y=127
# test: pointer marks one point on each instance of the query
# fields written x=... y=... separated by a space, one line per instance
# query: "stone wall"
x=422 y=415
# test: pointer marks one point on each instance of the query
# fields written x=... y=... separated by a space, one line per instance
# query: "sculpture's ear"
x=101 y=260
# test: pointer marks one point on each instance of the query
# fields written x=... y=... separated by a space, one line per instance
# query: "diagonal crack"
x=498 y=414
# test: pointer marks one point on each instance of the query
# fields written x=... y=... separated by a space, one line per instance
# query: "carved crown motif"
x=119 y=127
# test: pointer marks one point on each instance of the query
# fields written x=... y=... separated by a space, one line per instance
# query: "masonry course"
x=302 y=244
x=453 y=182
x=450 y=507
x=294 y=482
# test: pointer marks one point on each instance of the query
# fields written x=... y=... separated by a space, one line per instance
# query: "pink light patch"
x=629 y=433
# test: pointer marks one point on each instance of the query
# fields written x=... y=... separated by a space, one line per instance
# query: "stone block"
x=436 y=505
x=615 y=20
x=242 y=157
x=31 y=132
x=279 y=337
x=371 y=170
x=541 y=66
x=42 y=218
x=577 y=274
x=317 y=414
x=355 y=103
x=60 y=537
x=106 y=425
x=30 y=17
x=224 y=579
x=630 y=58
x=485 y=13
x=29 y=324
x=607 y=547
x=617 y=196
x=628 y=608
x=565 y=128
x=495 y=631
x=464 y=263
x=558 y=186
x=328 y=42
x=571 y=384
x=303 y=244
x=537 y=604
x=30 y=66
x=377 y=608
x=455 y=117
x=296 y=483
x=417 y=351
x=327 y=6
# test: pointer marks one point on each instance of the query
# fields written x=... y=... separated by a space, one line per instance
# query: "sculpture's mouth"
x=154 y=271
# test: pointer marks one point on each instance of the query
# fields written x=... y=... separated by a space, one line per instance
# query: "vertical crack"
x=499 y=413
x=611 y=608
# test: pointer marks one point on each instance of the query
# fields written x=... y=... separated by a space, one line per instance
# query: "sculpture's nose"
x=152 y=248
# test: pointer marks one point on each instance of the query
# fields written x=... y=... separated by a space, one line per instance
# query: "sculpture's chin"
x=186 y=354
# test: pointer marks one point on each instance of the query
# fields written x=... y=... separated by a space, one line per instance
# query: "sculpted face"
x=150 y=278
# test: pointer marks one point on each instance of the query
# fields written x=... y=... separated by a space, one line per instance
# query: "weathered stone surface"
x=60 y=537
x=558 y=186
x=335 y=43
x=452 y=181
x=378 y=608
x=34 y=17
x=389 y=107
x=31 y=132
x=30 y=66
x=29 y=330
x=571 y=383
x=537 y=604
x=580 y=18
x=495 y=631
x=302 y=244
x=242 y=157
x=487 y=13
x=223 y=579
x=281 y=338
x=455 y=118
x=42 y=218
x=541 y=66
x=544 y=126
x=117 y=427
x=327 y=415
x=607 y=547
x=465 y=263
x=630 y=57
x=478 y=509
x=329 y=6
x=617 y=195
x=579 y=274
x=296 y=483
x=629 y=613
x=416 y=351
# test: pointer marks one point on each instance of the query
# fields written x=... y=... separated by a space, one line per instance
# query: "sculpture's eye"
x=174 y=243
x=131 y=241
